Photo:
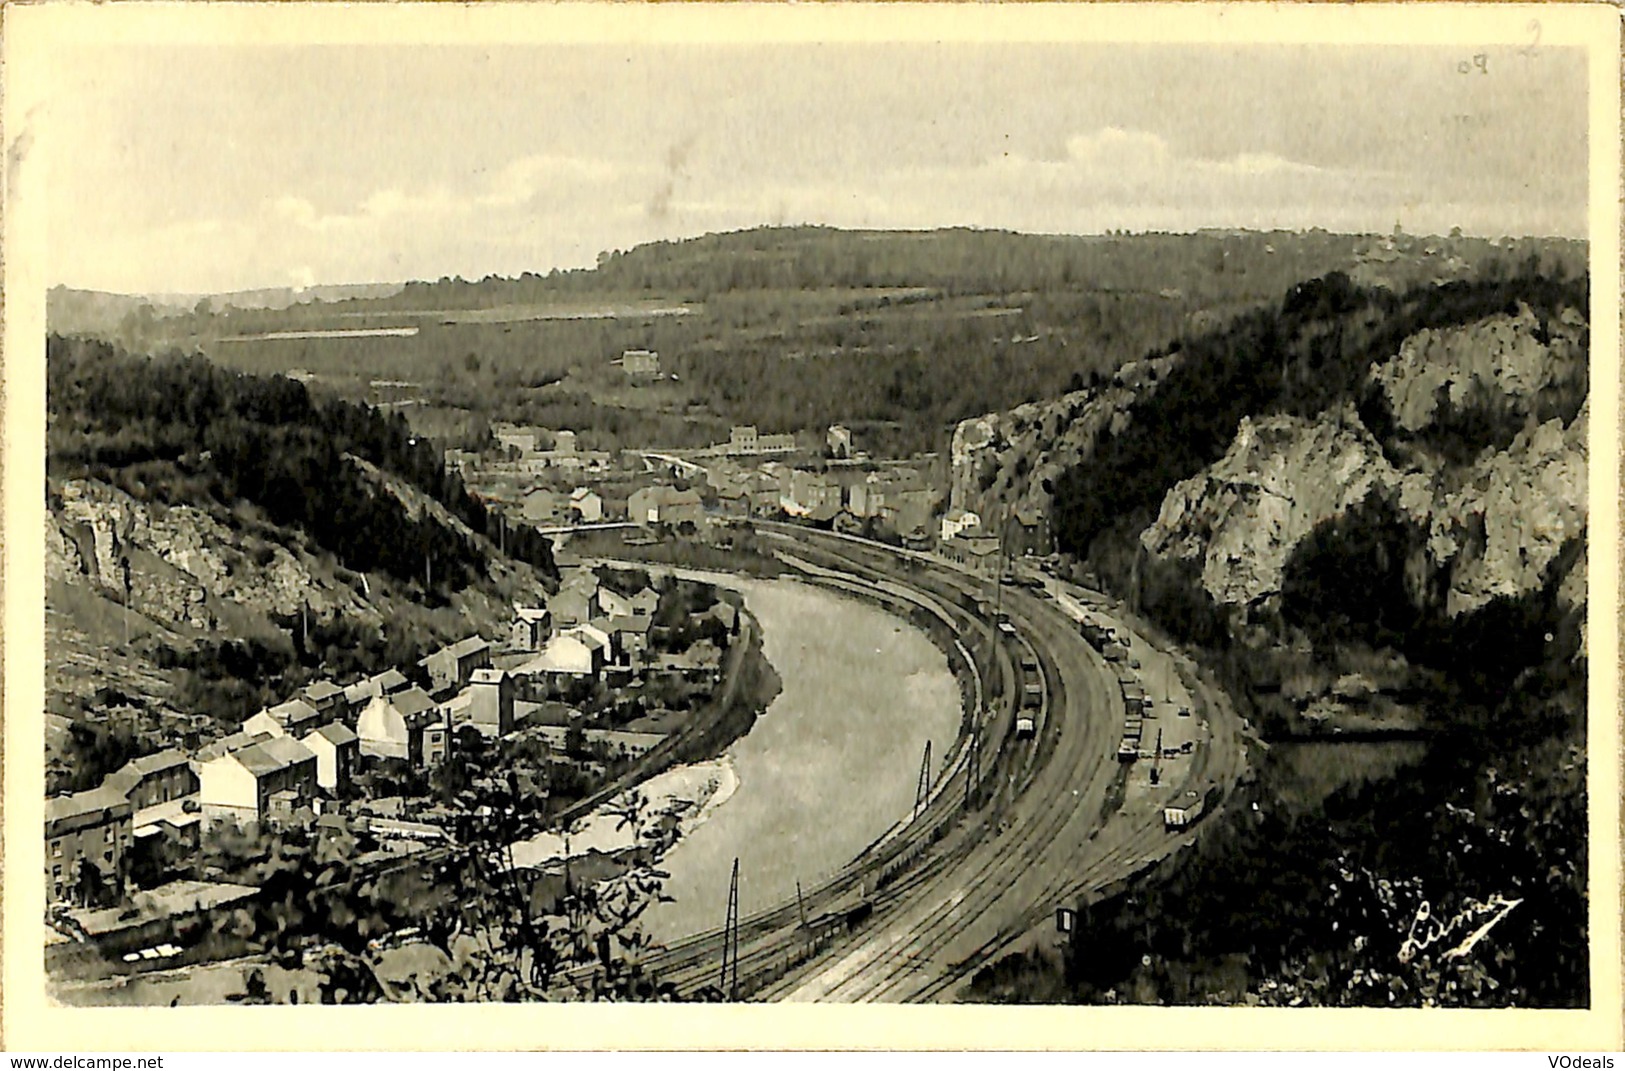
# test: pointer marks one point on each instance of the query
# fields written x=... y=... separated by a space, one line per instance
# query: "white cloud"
x=1114 y=147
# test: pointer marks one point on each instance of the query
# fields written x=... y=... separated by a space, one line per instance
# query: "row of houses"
x=275 y=766
x=746 y=439
x=901 y=501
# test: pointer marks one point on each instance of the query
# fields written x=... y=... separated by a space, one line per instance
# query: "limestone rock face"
x=1493 y=528
x=1519 y=507
x=1007 y=462
x=1243 y=517
x=1501 y=358
x=178 y=559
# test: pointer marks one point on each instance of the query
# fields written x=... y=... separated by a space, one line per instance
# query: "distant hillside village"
x=541 y=477
x=566 y=700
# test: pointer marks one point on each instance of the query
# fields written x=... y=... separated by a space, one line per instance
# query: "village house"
x=532 y=625
x=491 y=704
x=514 y=437
x=812 y=494
x=392 y=726
x=956 y=521
x=438 y=737
x=542 y=505
x=385 y=683
x=153 y=779
x=454 y=666
x=839 y=441
x=1030 y=534
x=91 y=828
x=240 y=785
x=640 y=363
x=568 y=654
x=176 y=825
x=660 y=504
x=591 y=634
x=629 y=634
x=564 y=442
x=587 y=505
x=225 y=745
x=293 y=718
x=641 y=603
x=570 y=607
x=326 y=697
x=337 y=749
x=742 y=439
x=977 y=552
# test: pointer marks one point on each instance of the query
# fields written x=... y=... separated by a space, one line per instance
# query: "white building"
x=587 y=505
x=238 y=785
x=336 y=749
x=392 y=726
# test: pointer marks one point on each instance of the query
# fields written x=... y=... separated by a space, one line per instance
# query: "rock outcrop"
x=1011 y=460
x=1282 y=477
x=180 y=561
x=1501 y=358
x=1493 y=528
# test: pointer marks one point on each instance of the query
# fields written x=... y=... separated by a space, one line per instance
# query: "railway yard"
x=1088 y=753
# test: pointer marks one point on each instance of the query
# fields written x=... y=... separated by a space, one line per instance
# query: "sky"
x=208 y=168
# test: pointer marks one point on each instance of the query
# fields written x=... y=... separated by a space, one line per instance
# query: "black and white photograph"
x=971 y=518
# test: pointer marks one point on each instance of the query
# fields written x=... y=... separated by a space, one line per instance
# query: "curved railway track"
x=1009 y=830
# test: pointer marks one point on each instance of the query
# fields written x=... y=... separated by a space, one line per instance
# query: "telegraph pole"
x=730 y=938
x=973 y=773
x=922 y=787
x=1156 y=761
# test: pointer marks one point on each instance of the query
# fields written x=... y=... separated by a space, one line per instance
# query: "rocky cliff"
x=1494 y=527
x=1011 y=460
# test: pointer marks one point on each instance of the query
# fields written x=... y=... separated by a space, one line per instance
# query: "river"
x=828 y=768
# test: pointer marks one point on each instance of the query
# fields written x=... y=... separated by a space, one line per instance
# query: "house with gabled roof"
x=337 y=749
x=153 y=779
x=238 y=785
x=453 y=666
x=326 y=697
x=392 y=726
x=293 y=718
x=234 y=742
x=83 y=828
x=532 y=625
x=388 y=682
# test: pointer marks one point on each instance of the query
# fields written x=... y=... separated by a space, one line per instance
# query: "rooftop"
x=91 y=803
x=276 y=753
x=227 y=744
x=335 y=733
x=322 y=690
x=175 y=898
x=412 y=701
x=293 y=712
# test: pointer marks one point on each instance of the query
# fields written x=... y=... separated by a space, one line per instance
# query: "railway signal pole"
x=922 y=786
x=973 y=774
x=730 y=938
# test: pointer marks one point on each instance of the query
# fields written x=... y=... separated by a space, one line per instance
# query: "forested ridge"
x=176 y=429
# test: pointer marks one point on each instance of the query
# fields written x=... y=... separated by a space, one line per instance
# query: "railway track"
x=905 y=961
x=945 y=891
x=890 y=866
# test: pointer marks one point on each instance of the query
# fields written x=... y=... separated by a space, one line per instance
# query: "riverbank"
x=829 y=767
